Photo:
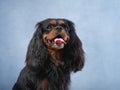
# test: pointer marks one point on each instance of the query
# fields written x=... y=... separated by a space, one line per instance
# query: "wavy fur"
x=42 y=74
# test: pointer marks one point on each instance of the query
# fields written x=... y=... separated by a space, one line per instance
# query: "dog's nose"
x=58 y=28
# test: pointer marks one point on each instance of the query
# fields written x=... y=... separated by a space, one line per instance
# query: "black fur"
x=39 y=65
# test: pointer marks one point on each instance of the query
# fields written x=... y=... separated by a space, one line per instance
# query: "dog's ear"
x=37 y=53
x=74 y=50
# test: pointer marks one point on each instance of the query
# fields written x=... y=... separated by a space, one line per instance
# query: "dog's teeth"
x=49 y=41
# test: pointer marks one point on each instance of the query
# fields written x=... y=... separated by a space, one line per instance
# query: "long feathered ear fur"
x=73 y=53
x=37 y=53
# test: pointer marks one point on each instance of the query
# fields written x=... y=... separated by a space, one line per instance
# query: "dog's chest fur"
x=55 y=55
x=55 y=75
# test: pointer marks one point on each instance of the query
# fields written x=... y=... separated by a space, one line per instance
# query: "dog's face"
x=55 y=33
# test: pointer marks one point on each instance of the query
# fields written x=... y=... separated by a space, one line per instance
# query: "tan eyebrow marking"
x=61 y=22
x=53 y=22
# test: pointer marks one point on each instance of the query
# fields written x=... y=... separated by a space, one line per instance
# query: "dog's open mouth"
x=57 y=43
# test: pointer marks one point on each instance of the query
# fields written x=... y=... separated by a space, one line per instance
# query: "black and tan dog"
x=53 y=53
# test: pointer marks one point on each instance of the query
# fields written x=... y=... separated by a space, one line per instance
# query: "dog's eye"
x=65 y=27
x=49 y=27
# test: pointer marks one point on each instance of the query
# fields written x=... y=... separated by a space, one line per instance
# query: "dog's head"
x=55 y=33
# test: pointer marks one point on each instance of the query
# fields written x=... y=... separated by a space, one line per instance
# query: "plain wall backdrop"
x=97 y=23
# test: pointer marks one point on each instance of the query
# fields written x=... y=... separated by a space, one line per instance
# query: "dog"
x=53 y=53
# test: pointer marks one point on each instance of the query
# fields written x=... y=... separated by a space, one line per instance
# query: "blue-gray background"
x=97 y=24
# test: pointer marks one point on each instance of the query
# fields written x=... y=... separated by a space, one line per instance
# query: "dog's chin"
x=57 y=46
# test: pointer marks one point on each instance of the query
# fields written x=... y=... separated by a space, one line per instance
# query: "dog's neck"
x=55 y=54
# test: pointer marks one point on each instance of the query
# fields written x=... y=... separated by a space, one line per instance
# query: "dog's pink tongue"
x=59 y=41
